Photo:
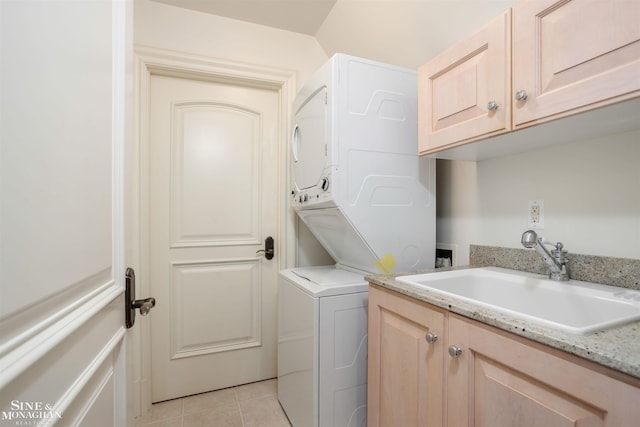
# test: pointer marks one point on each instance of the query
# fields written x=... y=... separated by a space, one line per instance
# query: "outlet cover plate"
x=535 y=214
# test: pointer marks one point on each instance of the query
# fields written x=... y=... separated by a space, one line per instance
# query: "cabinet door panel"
x=506 y=397
x=405 y=372
x=504 y=380
x=456 y=87
x=574 y=55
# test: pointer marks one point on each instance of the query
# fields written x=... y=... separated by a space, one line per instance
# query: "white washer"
x=322 y=346
x=358 y=184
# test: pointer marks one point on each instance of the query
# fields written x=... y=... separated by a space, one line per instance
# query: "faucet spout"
x=529 y=239
x=556 y=260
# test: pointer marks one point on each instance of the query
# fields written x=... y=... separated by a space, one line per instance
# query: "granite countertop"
x=617 y=348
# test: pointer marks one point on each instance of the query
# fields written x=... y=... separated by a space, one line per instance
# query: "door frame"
x=150 y=61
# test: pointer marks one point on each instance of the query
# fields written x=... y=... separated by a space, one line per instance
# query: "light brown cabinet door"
x=501 y=380
x=405 y=381
x=571 y=56
x=464 y=93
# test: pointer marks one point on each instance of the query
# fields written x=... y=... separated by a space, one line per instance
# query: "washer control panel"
x=318 y=194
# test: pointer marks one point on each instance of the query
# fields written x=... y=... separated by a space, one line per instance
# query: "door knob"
x=145 y=305
x=130 y=303
x=268 y=248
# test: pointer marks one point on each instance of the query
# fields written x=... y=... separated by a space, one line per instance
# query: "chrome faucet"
x=556 y=259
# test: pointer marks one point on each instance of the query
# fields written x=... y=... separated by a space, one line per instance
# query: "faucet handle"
x=560 y=254
x=544 y=241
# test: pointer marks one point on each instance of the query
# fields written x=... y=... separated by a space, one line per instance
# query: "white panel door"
x=212 y=203
x=63 y=113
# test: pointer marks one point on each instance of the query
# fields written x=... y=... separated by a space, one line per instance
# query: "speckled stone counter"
x=622 y=272
x=617 y=348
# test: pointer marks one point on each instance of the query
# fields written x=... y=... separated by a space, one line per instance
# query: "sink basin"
x=575 y=307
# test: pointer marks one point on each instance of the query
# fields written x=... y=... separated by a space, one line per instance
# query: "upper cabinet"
x=569 y=56
x=466 y=89
x=541 y=61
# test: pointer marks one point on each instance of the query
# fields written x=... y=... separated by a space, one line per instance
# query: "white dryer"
x=360 y=187
x=357 y=180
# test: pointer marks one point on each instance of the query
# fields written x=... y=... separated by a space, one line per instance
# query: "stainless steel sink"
x=573 y=306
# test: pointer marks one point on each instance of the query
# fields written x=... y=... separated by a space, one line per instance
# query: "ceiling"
x=301 y=16
x=401 y=32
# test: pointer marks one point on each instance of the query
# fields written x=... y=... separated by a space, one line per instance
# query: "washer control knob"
x=324 y=184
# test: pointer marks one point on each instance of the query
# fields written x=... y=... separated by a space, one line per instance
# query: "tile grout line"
x=235 y=393
x=243 y=422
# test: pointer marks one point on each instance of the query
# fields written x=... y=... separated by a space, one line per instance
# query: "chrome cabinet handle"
x=521 y=95
x=492 y=106
x=454 y=351
x=431 y=337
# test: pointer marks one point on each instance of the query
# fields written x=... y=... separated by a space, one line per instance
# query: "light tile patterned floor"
x=249 y=405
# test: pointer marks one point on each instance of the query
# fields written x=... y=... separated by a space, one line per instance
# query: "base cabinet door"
x=500 y=380
x=475 y=375
x=406 y=365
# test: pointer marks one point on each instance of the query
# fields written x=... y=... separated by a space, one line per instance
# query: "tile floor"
x=247 y=405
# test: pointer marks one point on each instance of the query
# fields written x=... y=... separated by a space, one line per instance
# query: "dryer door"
x=340 y=239
x=309 y=141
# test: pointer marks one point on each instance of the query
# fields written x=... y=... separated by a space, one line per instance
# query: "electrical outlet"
x=536 y=214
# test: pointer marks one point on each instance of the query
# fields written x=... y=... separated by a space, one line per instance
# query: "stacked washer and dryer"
x=361 y=189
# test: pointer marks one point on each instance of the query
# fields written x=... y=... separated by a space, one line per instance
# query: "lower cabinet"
x=405 y=381
x=430 y=367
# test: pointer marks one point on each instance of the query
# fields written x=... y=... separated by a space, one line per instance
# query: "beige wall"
x=167 y=27
x=589 y=188
x=403 y=32
x=591 y=193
